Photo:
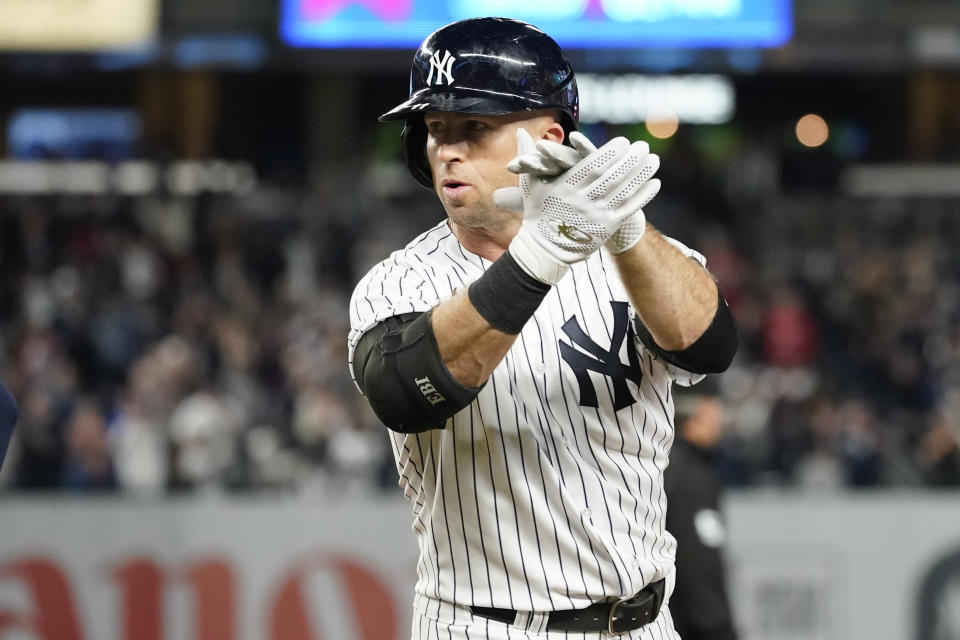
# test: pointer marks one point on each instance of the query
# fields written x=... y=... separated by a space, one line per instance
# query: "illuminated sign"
x=573 y=23
x=35 y=134
x=73 y=25
x=629 y=98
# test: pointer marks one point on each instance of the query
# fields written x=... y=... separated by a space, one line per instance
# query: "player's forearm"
x=471 y=349
x=675 y=296
x=475 y=329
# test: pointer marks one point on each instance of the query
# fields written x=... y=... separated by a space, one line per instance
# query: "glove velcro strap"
x=534 y=259
x=506 y=295
x=629 y=233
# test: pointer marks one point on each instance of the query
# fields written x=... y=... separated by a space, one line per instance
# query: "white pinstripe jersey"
x=546 y=492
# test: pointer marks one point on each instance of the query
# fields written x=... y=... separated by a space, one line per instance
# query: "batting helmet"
x=487 y=66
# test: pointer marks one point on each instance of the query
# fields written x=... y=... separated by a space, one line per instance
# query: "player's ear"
x=554 y=132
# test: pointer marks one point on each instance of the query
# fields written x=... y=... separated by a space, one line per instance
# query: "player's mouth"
x=452 y=188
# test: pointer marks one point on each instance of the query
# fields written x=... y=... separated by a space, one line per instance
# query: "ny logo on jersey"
x=605 y=361
x=443 y=66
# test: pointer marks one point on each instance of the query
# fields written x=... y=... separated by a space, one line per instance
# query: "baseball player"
x=522 y=351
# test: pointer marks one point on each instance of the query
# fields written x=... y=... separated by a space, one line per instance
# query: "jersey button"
x=540 y=368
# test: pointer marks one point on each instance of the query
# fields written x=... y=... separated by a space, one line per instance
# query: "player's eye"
x=474 y=126
x=435 y=126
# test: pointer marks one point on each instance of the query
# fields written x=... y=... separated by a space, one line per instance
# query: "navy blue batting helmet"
x=486 y=66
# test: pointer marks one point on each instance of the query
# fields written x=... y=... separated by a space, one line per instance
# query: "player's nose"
x=451 y=150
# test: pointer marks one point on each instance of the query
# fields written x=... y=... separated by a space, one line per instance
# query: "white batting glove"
x=568 y=217
x=550 y=159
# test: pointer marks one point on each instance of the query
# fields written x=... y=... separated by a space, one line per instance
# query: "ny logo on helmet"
x=443 y=66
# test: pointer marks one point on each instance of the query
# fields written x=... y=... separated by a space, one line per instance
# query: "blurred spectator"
x=138 y=434
x=41 y=439
x=789 y=331
x=820 y=468
x=789 y=437
x=859 y=444
x=355 y=455
x=939 y=454
x=205 y=429
x=89 y=464
x=317 y=415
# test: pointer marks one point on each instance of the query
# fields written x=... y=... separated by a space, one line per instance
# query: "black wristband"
x=506 y=295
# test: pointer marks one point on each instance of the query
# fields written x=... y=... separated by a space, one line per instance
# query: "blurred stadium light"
x=812 y=130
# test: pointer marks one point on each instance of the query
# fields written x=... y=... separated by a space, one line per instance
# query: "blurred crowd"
x=849 y=370
x=160 y=344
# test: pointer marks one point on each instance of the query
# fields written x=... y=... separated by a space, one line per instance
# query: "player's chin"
x=459 y=206
x=467 y=216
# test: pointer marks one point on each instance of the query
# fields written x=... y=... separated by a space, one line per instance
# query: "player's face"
x=468 y=157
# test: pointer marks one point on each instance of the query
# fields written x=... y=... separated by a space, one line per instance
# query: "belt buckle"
x=613 y=612
x=643 y=597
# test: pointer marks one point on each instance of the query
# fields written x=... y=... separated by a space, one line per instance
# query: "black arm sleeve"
x=712 y=352
x=399 y=369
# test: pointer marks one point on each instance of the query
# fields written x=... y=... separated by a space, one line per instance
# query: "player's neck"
x=488 y=243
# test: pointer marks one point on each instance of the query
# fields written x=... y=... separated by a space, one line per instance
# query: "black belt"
x=616 y=617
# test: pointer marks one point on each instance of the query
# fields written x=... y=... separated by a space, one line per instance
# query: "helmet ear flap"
x=414 y=139
x=569 y=126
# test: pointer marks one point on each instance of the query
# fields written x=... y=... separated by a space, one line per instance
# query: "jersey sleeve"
x=393 y=287
x=687 y=251
x=682 y=377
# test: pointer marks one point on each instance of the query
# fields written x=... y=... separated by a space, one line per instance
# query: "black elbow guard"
x=712 y=352
x=398 y=366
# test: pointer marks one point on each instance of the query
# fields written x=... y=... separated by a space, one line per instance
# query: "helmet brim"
x=479 y=101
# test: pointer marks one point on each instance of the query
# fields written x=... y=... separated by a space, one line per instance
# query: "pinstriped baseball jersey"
x=546 y=492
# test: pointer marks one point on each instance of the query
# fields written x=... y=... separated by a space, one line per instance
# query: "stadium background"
x=182 y=221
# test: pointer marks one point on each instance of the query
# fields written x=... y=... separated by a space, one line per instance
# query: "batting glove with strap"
x=633 y=179
x=569 y=216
